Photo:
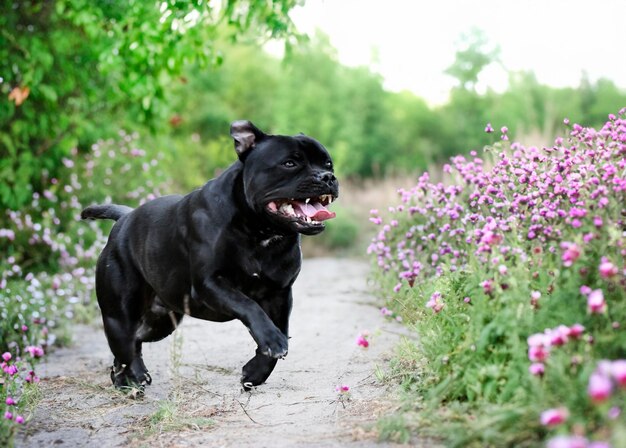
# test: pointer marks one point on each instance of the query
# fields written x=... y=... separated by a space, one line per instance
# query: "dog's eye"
x=289 y=164
x=329 y=165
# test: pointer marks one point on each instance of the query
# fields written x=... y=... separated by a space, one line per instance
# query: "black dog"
x=229 y=250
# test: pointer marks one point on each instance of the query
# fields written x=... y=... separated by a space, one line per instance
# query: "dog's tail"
x=106 y=211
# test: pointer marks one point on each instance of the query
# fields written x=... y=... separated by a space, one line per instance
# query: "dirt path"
x=195 y=398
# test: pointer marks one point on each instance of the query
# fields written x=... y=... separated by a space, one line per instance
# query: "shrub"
x=513 y=273
x=47 y=277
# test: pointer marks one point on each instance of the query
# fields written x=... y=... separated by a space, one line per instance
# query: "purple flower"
x=614 y=412
x=488 y=128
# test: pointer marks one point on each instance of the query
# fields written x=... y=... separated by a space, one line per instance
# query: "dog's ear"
x=246 y=136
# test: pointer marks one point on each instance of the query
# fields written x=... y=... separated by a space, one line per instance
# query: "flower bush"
x=47 y=276
x=512 y=269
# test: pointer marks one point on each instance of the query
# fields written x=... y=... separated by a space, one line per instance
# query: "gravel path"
x=195 y=398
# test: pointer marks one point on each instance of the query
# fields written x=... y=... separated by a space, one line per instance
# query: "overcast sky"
x=415 y=41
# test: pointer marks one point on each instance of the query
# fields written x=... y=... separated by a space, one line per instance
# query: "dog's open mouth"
x=310 y=210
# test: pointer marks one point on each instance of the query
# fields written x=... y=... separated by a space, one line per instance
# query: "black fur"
x=219 y=253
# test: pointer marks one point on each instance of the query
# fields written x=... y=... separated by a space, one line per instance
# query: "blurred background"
x=390 y=88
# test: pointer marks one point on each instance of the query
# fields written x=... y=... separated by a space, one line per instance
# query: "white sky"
x=415 y=40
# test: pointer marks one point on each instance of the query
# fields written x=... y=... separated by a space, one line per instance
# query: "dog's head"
x=289 y=180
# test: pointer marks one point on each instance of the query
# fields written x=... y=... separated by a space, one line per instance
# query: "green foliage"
x=368 y=130
x=73 y=68
x=341 y=234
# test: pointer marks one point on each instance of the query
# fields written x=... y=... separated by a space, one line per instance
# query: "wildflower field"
x=47 y=276
x=512 y=272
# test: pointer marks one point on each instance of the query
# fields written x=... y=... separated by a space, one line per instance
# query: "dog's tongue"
x=316 y=211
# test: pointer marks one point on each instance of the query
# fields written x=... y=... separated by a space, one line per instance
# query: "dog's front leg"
x=218 y=295
x=259 y=368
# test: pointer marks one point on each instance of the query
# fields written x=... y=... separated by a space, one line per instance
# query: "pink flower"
x=599 y=388
x=342 y=389
x=10 y=401
x=576 y=331
x=10 y=370
x=362 y=341
x=608 y=269
x=599 y=444
x=487 y=286
x=595 y=302
x=435 y=302
x=537 y=369
x=618 y=371
x=8 y=415
x=6 y=356
x=19 y=420
x=568 y=442
x=488 y=128
x=554 y=417
x=491 y=238
x=538 y=353
x=35 y=352
x=559 y=336
x=571 y=254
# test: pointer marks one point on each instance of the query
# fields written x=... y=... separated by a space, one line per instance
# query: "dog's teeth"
x=287 y=209
x=330 y=199
x=307 y=200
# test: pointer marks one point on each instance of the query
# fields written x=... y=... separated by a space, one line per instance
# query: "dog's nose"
x=327 y=177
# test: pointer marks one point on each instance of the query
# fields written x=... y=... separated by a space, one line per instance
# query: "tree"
x=71 y=68
x=471 y=58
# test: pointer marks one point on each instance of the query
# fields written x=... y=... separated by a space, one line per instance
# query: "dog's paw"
x=131 y=376
x=275 y=346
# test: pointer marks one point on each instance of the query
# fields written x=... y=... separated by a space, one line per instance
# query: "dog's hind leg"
x=121 y=296
x=259 y=368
